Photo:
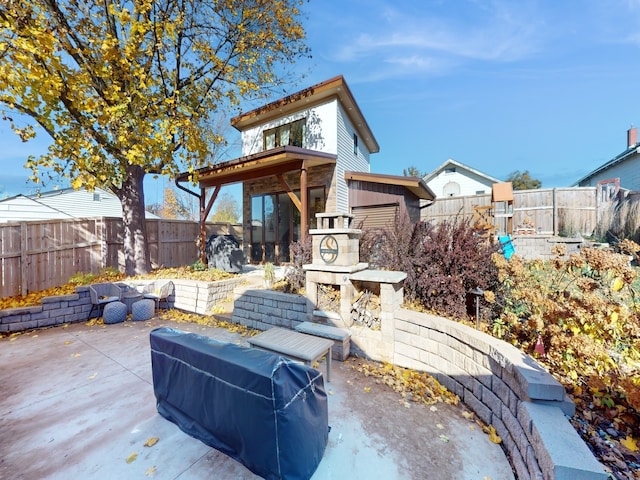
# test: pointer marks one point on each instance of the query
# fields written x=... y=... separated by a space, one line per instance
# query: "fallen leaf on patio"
x=472 y=427
x=330 y=392
x=151 y=442
x=440 y=426
x=68 y=342
x=444 y=438
x=493 y=436
x=132 y=458
x=486 y=478
x=150 y=471
x=630 y=443
x=468 y=415
x=91 y=377
x=367 y=389
x=75 y=355
x=433 y=408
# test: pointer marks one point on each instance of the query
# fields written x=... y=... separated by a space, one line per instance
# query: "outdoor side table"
x=297 y=346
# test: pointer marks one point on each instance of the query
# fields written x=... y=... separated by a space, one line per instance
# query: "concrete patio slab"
x=77 y=402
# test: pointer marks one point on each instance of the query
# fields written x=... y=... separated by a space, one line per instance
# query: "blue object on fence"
x=507 y=246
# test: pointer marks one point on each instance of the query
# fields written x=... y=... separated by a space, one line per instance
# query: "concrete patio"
x=78 y=402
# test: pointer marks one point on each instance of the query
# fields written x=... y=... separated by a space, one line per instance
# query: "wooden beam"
x=205 y=209
x=292 y=195
x=304 y=200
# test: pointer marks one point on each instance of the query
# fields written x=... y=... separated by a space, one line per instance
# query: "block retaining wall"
x=504 y=387
x=189 y=295
x=263 y=309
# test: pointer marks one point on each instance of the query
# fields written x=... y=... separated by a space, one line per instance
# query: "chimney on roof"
x=632 y=137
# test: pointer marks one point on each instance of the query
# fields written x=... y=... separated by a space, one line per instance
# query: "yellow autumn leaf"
x=617 y=284
x=630 y=443
x=491 y=432
x=151 y=442
x=132 y=458
x=367 y=389
x=444 y=438
x=150 y=471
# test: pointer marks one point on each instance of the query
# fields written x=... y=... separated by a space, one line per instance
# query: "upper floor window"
x=288 y=134
x=450 y=170
x=355 y=144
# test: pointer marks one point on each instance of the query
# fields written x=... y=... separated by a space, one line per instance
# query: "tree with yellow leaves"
x=126 y=88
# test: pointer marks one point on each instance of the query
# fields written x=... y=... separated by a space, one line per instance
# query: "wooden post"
x=304 y=200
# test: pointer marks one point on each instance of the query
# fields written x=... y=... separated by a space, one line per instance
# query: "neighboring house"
x=623 y=171
x=297 y=154
x=453 y=179
x=65 y=203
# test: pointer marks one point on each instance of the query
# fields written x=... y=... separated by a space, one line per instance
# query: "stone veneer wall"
x=503 y=386
x=189 y=295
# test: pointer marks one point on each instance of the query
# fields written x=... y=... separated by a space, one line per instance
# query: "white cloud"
x=427 y=41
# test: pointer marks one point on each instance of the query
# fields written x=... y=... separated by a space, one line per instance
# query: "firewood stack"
x=365 y=310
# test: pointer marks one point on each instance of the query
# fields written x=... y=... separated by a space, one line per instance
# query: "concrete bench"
x=297 y=346
x=341 y=338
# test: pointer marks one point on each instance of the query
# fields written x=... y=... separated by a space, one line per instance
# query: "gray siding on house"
x=628 y=171
x=347 y=159
x=21 y=208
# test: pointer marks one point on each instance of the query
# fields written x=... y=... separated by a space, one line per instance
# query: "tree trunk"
x=136 y=249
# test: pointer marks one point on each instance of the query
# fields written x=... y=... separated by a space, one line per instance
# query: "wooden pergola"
x=270 y=163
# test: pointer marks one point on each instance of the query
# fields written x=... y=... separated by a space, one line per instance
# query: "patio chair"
x=158 y=290
x=103 y=293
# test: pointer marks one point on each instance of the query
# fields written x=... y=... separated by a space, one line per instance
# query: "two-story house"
x=299 y=157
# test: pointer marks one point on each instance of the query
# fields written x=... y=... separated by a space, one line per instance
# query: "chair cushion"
x=142 y=310
x=114 y=312
x=107 y=300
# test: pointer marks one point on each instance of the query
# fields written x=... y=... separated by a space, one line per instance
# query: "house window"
x=479 y=192
x=96 y=197
x=355 y=144
x=450 y=170
x=288 y=134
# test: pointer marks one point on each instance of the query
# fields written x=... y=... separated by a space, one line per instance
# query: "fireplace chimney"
x=632 y=137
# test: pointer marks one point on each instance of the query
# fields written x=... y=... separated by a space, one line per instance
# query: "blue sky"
x=544 y=86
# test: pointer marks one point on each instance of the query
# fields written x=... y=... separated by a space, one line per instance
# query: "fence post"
x=24 y=268
x=555 y=211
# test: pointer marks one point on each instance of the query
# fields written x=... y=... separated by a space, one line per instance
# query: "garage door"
x=374 y=216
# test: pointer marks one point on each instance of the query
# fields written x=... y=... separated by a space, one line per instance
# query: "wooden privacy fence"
x=37 y=255
x=550 y=211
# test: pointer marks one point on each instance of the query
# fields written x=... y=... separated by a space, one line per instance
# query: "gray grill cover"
x=264 y=410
